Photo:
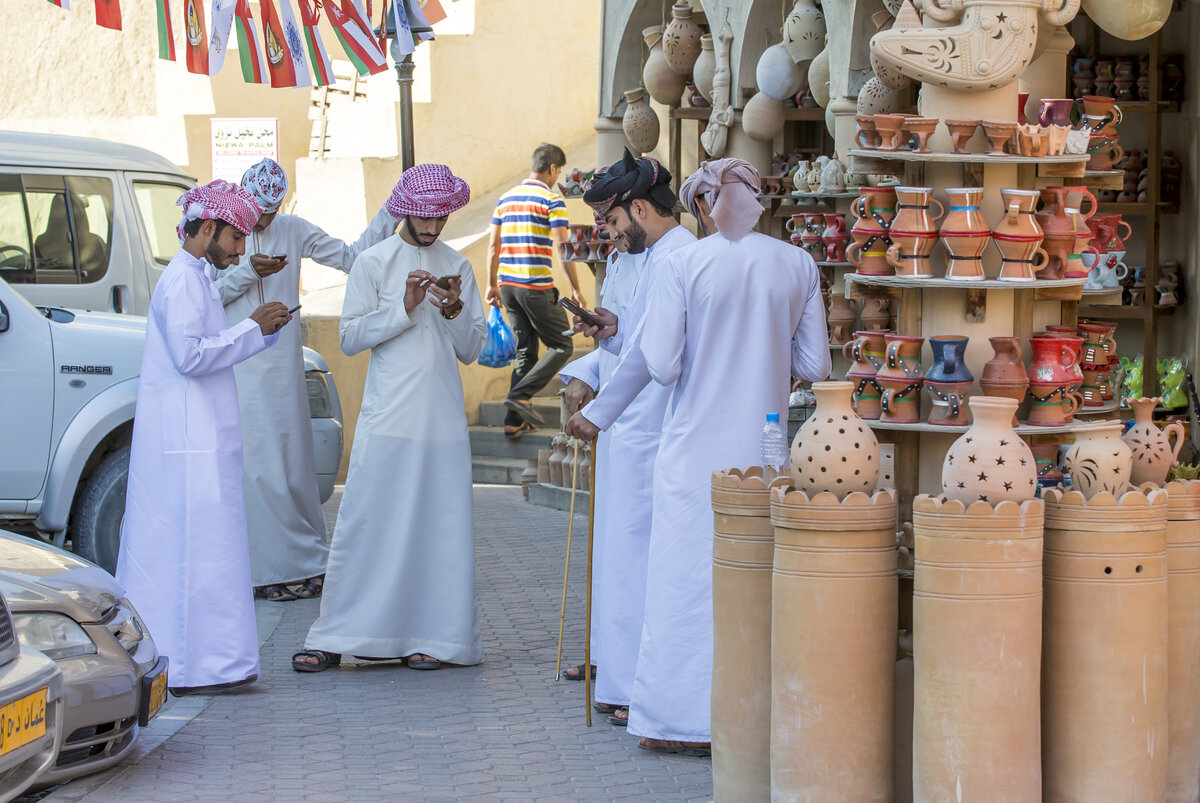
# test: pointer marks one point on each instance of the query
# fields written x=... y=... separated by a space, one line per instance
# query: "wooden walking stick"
x=587 y=628
x=562 y=613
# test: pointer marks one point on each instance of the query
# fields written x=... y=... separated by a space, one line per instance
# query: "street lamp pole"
x=404 y=78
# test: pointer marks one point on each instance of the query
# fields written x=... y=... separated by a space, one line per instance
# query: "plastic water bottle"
x=774 y=448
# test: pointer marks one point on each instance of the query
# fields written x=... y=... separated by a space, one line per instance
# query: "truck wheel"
x=96 y=525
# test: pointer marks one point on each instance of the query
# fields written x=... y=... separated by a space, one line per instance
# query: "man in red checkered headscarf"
x=401 y=577
x=184 y=559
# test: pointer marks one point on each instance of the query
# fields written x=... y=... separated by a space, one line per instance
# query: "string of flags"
x=286 y=54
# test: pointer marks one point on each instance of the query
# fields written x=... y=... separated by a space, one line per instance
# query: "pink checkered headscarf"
x=731 y=187
x=428 y=190
x=267 y=182
x=219 y=200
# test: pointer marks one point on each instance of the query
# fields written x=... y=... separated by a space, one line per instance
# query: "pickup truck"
x=86 y=229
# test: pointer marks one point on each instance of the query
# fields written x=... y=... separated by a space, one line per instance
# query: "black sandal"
x=309 y=589
x=277 y=593
x=605 y=708
x=324 y=660
x=576 y=673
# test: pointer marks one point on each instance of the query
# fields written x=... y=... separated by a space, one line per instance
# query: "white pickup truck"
x=87 y=224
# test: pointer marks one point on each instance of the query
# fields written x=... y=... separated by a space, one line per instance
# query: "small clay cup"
x=888 y=128
x=999 y=133
x=921 y=128
x=867 y=137
x=960 y=132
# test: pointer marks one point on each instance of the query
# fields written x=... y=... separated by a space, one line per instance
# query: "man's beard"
x=635 y=236
x=417 y=238
x=217 y=255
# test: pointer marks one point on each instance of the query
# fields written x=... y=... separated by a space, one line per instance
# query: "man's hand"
x=577 y=295
x=577 y=394
x=604 y=332
x=264 y=266
x=414 y=288
x=492 y=295
x=271 y=317
x=580 y=427
x=446 y=297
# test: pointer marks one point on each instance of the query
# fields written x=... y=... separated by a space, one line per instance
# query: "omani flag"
x=166 y=37
x=108 y=14
x=196 y=47
x=286 y=63
x=354 y=32
x=254 y=69
x=310 y=16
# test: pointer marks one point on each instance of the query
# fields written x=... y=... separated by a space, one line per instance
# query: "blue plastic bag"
x=501 y=346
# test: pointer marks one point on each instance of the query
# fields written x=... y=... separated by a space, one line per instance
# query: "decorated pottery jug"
x=1018 y=237
x=1046 y=456
x=990 y=462
x=1052 y=404
x=875 y=314
x=1084 y=253
x=842 y=314
x=834 y=450
x=964 y=233
x=1058 y=227
x=948 y=381
x=1099 y=461
x=1097 y=342
x=866 y=353
x=1092 y=388
x=900 y=378
x=873 y=211
x=640 y=122
x=913 y=231
x=681 y=39
x=1055 y=359
x=1056 y=111
x=1153 y=454
x=1004 y=374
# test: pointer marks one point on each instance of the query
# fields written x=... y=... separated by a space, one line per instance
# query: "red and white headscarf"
x=731 y=187
x=428 y=190
x=219 y=200
x=267 y=182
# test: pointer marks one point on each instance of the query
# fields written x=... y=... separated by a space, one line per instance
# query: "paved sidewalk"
x=504 y=730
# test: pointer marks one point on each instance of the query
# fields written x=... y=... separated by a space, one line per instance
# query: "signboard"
x=239 y=142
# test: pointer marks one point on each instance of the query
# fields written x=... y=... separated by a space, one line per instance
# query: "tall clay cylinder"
x=743 y=553
x=977 y=637
x=1104 y=660
x=833 y=646
x=1183 y=641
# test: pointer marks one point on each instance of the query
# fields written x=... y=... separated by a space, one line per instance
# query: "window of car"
x=156 y=202
x=55 y=229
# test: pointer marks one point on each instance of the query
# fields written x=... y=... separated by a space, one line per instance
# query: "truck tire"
x=96 y=525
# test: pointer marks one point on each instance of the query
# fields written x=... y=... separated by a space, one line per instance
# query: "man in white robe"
x=283 y=503
x=731 y=319
x=184 y=559
x=401 y=575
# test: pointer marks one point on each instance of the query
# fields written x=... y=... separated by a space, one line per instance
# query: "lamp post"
x=404 y=79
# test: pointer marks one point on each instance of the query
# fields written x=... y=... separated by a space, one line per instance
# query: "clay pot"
x=777 y=75
x=1053 y=405
x=989 y=462
x=1103 y=151
x=1054 y=359
x=834 y=450
x=875 y=98
x=1099 y=461
x=1183 y=648
x=1004 y=375
x=960 y=132
x=529 y=476
x=705 y=67
x=640 y=122
x=1097 y=343
x=841 y=318
x=949 y=403
x=1105 y=113
x=762 y=117
x=1094 y=379
x=875 y=314
x=1018 y=237
x=661 y=82
x=964 y=233
x=818 y=78
x=1153 y=454
x=900 y=378
x=949 y=360
x=556 y=460
x=873 y=211
x=1084 y=253
x=866 y=136
x=804 y=31
x=913 y=232
x=921 y=128
x=681 y=39
x=1058 y=227
x=887 y=126
x=1046 y=457
x=1056 y=111
x=835 y=225
x=867 y=352
x=999 y=133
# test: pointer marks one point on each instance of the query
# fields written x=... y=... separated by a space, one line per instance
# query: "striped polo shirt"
x=526 y=215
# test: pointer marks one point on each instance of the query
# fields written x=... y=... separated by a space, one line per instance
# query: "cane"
x=562 y=612
x=587 y=627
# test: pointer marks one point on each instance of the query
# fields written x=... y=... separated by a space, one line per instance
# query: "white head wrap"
x=267 y=182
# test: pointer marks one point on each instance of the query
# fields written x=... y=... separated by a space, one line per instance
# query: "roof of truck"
x=55 y=150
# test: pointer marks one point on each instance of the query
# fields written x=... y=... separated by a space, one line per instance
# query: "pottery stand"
x=743 y=555
x=1183 y=640
x=1104 y=667
x=833 y=646
x=977 y=626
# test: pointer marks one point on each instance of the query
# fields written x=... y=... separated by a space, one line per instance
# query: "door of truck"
x=26 y=389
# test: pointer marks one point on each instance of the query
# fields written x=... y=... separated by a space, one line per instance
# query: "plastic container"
x=774 y=448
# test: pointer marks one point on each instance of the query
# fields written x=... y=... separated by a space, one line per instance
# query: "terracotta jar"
x=814 y=244
x=1053 y=359
x=1099 y=461
x=556 y=460
x=842 y=314
x=1018 y=237
x=989 y=462
x=1004 y=375
x=1103 y=152
x=875 y=314
x=900 y=378
x=1153 y=454
x=1053 y=404
x=1106 y=109
x=874 y=208
x=835 y=225
x=867 y=354
x=661 y=82
x=640 y=122
x=1097 y=343
x=1058 y=228
x=913 y=231
x=705 y=67
x=949 y=381
x=1094 y=379
x=1056 y=111
x=873 y=211
x=1046 y=457
x=834 y=450
x=681 y=39
x=1083 y=255
x=964 y=233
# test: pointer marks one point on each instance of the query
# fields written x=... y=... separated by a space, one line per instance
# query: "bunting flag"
x=196 y=45
x=433 y=11
x=310 y=16
x=354 y=33
x=166 y=37
x=254 y=69
x=286 y=64
x=61 y=4
x=404 y=35
x=108 y=14
x=221 y=20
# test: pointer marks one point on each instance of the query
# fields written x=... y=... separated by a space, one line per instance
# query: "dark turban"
x=630 y=178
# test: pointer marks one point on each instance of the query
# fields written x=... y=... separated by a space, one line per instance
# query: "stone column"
x=610 y=140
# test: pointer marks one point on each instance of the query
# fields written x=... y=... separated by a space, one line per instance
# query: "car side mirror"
x=3 y=318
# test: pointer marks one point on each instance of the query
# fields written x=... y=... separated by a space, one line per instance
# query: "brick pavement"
x=504 y=730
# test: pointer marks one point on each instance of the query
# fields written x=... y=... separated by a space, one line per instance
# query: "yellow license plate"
x=23 y=721
x=158 y=693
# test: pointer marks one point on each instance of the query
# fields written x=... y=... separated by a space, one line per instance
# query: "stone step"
x=497 y=470
x=491 y=413
x=558 y=498
x=490 y=442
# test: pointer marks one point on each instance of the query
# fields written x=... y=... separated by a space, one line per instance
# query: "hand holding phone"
x=444 y=281
x=292 y=311
x=279 y=256
x=584 y=315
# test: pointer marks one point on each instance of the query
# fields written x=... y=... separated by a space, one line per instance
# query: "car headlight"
x=126 y=627
x=52 y=634
x=320 y=401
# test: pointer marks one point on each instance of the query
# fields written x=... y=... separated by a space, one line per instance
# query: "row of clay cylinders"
x=557 y=466
x=804 y=642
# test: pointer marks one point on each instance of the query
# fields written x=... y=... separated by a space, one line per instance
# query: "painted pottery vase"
x=835 y=225
x=842 y=314
x=1092 y=389
x=705 y=68
x=661 y=82
x=875 y=314
x=1097 y=342
x=964 y=233
x=1055 y=359
x=948 y=402
x=1105 y=112
x=1056 y=111
x=1058 y=227
x=779 y=77
x=1084 y=254
x=949 y=381
x=640 y=122
x=1103 y=151
x=1052 y=405
x=873 y=211
x=1099 y=461
x=762 y=117
x=804 y=31
x=960 y=132
x=814 y=244
x=1046 y=457
x=900 y=378
x=913 y=231
x=1153 y=454
x=990 y=462
x=834 y=450
x=866 y=353
x=681 y=39
x=1018 y=237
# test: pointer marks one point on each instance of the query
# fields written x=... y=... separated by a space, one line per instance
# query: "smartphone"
x=444 y=281
x=292 y=311
x=279 y=256
x=584 y=315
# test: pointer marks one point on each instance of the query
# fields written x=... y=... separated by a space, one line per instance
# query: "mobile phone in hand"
x=444 y=281
x=292 y=311
x=584 y=315
x=279 y=256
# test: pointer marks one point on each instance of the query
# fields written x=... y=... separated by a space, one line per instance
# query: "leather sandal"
x=671 y=746
x=309 y=589
x=324 y=660
x=276 y=593
x=576 y=673
x=426 y=661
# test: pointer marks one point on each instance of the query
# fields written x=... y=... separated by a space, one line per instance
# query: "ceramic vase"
x=990 y=462
x=1018 y=237
x=866 y=353
x=556 y=460
x=1153 y=454
x=964 y=233
x=1084 y=254
x=842 y=314
x=818 y=78
x=705 y=67
x=875 y=314
x=900 y=378
x=640 y=122
x=1052 y=404
x=1099 y=461
x=873 y=211
x=913 y=232
x=804 y=31
x=762 y=117
x=529 y=476
x=949 y=381
x=661 y=82
x=834 y=450
x=1004 y=374
x=875 y=98
x=1058 y=227
x=778 y=77
x=681 y=39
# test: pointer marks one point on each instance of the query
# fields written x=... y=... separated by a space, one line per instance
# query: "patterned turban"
x=428 y=190
x=731 y=187
x=267 y=182
x=219 y=200
x=630 y=178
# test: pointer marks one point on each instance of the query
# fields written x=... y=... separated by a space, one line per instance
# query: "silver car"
x=113 y=678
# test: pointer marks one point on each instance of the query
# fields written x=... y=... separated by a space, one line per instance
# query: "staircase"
x=495 y=459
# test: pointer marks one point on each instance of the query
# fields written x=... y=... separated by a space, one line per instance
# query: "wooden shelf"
x=824 y=195
x=1149 y=107
x=835 y=265
x=1104 y=179
x=1124 y=312
x=1135 y=208
x=1108 y=297
x=1055 y=288
x=1110 y=406
x=691 y=112
x=1022 y=429
x=957 y=158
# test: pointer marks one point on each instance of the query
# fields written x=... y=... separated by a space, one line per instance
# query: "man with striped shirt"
x=529 y=225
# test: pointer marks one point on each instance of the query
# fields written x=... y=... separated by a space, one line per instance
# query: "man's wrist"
x=452 y=312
